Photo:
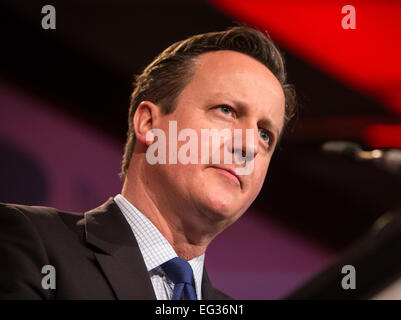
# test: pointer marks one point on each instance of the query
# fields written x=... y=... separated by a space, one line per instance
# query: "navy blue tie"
x=180 y=272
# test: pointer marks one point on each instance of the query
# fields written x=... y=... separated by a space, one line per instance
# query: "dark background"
x=84 y=70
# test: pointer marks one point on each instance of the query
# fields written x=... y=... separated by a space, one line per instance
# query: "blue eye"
x=226 y=109
x=264 y=135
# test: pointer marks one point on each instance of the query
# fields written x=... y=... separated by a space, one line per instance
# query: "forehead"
x=221 y=76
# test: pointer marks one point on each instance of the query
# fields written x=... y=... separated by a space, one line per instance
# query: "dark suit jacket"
x=95 y=255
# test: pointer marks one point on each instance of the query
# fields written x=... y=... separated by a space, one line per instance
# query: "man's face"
x=228 y=90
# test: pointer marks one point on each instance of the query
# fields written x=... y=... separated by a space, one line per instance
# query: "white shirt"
x=156 y=250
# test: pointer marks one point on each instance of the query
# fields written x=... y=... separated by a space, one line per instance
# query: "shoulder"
x=31 y=212
x=14 y=214
x=39 y=220
x=32 y=237
x=23 y=244
x=35 y=213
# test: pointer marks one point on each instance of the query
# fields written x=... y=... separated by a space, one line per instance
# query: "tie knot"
x=178 y=270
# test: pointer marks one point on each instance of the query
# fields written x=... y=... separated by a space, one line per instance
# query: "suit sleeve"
x=22 y=256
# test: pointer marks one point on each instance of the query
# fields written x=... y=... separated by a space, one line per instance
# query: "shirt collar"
x=154 y=247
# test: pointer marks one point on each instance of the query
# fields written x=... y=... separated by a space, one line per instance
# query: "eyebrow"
x=266 y=122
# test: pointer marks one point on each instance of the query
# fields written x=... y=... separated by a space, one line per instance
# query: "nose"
x=245 y=142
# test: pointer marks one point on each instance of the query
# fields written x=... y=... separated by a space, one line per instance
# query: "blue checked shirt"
x=156 y=250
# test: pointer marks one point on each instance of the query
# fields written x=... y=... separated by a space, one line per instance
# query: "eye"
x=226 y=110
x=265 y=135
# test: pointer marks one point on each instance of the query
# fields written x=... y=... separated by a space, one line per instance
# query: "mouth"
x=229 y=174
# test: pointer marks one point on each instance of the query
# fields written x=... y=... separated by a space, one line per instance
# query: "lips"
x=230 y=174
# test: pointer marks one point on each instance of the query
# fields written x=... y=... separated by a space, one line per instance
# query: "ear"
x=144 y=119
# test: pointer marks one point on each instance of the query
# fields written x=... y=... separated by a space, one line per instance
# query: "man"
x=149 y=241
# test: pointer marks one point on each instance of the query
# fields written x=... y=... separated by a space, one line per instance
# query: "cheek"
x=260 y=172
x=177 y=179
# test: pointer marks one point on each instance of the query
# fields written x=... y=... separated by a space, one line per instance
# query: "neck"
x=186 y=237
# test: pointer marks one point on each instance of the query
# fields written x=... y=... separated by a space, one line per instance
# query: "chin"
x=221 y=208
x=219 y=199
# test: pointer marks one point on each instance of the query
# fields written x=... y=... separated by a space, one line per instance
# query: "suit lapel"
x=209 y=292
x=120 y=257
